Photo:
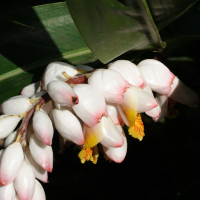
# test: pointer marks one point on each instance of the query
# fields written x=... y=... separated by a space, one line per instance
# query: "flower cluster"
x=88 y=108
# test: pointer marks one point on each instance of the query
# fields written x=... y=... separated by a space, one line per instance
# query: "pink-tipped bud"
x=129 y=71
x=41 y=153
x=31 y=89
x=62 y=93
x=183 y=94
x=111 y=84
x=54 y=72
x=157 y=75
x=7 y=192
x=91 y=105
x=25 y=182
x=68 y=126
x=11 y=162
x=39 y=192
x=39 y=172
x=117 y=154
x=15 y=105
x=43 y=127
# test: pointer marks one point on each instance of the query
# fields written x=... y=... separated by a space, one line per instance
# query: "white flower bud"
x=11 y=162
x=31 y=89
x=39 y=172
x=25 y=182
x=10 y=139
x=91 y=104
x=111 y=84
x=41 y=153
x=157 y=75
x=7 y=192
x=43 y=127
x=129 y=71
x=15 y=105
x=54 y=72
x=62 y=93
x=68 y=126
x=39 y=192
x=117 y=154
x=7 y=124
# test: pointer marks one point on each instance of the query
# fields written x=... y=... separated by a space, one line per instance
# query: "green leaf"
x=110 y=27
x=32 y=38
x=166 y=11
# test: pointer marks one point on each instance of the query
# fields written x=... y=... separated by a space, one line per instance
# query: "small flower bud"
x=31 y=89
x=25 y=182
x=54 y=72
x=129 y=71
x=11 y=162
x=39 y=172
x=41 y=153
x=43 y=127
x=68 y=126
x=15 y=105
x=7 y=124
x=62 y=93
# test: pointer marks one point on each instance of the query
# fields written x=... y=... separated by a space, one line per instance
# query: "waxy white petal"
x=11 y=162
x=10 y=139
x=163 y=103
x=41 y=153
x=104 y=132
x=117 y=154
x=25 y=182
x=62 y=93
x=7 y=124
x=91 y=104
x=31 y=89
x=54 y=72
x=112 y=137
x=113 y=112
x=129 y=71
x=157 y=75
x=39 y=192
x=43 y=127
x=7 y=192
x=68 y=126
x=183 y=94
x=111 y=84
x=39 y=172
x=15 y=105
x=138 y=99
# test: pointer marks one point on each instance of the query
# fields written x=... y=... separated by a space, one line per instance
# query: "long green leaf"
x=32 y=38
x=110 y=28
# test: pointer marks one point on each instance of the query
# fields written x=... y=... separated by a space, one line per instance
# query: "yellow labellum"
x=87 y=154
x=137 y=130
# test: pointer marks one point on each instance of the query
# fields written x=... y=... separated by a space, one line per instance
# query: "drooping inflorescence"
x=88 y=108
